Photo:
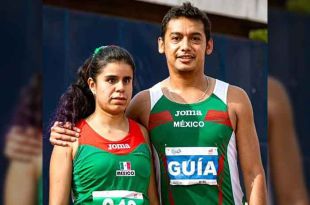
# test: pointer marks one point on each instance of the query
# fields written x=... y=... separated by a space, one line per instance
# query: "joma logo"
x=188 y=113
x=118 y=146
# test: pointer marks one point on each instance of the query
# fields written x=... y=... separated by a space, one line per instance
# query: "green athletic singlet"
x=111 y=172
x=195 y=150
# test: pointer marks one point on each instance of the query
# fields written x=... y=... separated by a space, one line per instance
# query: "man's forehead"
x=179 y=24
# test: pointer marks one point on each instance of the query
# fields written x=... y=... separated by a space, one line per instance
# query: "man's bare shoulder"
x=141 y=96
x=139 y=107
x=236 y=96
x=278 y=100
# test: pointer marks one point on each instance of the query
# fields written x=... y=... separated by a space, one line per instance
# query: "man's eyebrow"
x=175 y=33
x=179 y=33
x=196 y=33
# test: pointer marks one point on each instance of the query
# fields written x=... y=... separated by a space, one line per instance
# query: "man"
x=196 y=123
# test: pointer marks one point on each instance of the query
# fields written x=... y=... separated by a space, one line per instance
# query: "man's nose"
x=185 y=44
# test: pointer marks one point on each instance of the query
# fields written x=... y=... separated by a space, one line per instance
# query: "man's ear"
x=92 y=85
x=161 y=46
x=209 y=47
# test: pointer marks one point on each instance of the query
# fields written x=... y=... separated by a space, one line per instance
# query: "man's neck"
x=188 y=90
x=185 y=80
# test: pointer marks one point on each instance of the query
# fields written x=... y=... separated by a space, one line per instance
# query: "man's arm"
x=21 y=145
x=285 y=159
x=139 y=108
x=248 y=146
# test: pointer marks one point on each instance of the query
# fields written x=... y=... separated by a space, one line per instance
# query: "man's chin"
x=185 y=69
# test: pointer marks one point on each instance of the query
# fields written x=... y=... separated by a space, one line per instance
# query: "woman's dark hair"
x=187 y=11
x=29 y=111
x=78 y=101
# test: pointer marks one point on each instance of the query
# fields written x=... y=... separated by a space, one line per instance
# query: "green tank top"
x=111 y=172
x=194 y=149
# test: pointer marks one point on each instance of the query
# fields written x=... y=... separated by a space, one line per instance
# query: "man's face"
x=185 y=45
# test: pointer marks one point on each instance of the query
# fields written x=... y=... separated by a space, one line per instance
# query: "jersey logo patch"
x=125 y=169
x=192 y=165
x=118 y=146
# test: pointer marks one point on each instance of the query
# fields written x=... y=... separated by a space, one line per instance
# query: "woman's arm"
x=60 y=175
x=152 y=191
x=20 y=184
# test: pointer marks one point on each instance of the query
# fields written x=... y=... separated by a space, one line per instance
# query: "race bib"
x=117 y=197
x=192 y=165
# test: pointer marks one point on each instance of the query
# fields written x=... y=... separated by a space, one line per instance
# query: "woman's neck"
x=107 y=120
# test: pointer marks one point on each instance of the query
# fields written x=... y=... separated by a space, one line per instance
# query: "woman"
x=23 y=182
x=111 y=161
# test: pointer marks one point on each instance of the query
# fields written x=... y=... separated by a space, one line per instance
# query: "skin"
x=21 y=145
x=112 y=89
x=22 y=176
x=285 y=159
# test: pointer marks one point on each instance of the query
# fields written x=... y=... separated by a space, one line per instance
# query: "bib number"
x=117 y=197
x=192 y=165
x=109 y=201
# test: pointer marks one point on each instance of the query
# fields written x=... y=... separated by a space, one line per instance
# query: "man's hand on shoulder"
x=62 y=134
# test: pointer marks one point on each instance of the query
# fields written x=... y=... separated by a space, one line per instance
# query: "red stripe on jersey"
x=160 y=118
x=220 y=181
x=220 y=117
x=170 y=195
x=126 y=145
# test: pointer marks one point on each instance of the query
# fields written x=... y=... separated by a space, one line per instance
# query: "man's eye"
x=196 y=39
x=175 y=38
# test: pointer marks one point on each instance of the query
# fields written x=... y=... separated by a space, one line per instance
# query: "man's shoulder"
x=237 y=98
x=143 y=95
x=236 y=91
x=278 y=98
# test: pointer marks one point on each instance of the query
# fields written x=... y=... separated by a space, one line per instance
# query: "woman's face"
x=113 y=87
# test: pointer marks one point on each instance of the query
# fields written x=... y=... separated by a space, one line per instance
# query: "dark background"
x=70 y=36
x=58 y=35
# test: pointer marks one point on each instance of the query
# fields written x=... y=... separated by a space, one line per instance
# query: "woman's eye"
x=127 y=80
x=111 y=80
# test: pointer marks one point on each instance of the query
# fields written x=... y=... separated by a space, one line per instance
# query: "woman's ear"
x=92 y=85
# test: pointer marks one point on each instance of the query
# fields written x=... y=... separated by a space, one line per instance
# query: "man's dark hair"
x=187 y=11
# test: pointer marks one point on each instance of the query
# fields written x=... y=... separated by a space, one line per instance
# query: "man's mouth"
x=187 y=58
